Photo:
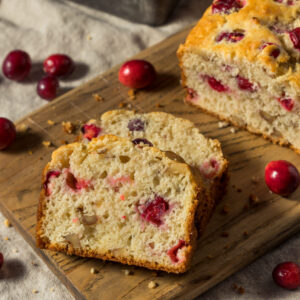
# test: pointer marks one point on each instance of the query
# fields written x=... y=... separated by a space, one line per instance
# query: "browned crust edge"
x=190 y=236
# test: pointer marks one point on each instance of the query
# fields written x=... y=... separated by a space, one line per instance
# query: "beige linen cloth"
x=96 y=41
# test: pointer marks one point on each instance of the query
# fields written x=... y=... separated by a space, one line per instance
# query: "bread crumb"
x=22 y=128
x=132 y=94
x=50 y=122
x=94 y=271
x=223 y=124
x=246 y=234
x=128 y=272
x=30 y=152
x=34 y=291
x=255 y=179
x=158 y=105
x=152 y=285
x=253 y=199
x=225 y=210
x=209 y=256
x=6 y=238
x=232 y=130
x=225 y=234
x=97 y=97
x=68 y=127
x=46 y=144
x=7 y=223
x=122 y=104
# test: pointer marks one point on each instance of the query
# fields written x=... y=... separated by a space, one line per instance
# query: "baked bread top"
x=265 y=33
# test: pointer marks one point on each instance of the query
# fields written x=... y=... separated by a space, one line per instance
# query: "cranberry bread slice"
x=112 y=200
x=169 y=133
x=241 y=62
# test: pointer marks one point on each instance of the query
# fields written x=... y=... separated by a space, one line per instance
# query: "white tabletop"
x=96 y=41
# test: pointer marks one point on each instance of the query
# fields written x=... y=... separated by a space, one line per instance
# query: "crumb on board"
x=159 y=105
x=232 y=130
x=225 y=234
x=22 y=128
x=30 y=152
x=68 y=127
x=6 y=238
x=253 y=199
x=152 y=285
x=50 y=122
x=122 y=104
x=155 y=274
x=7 y=223
x=246 y=234
x=225 y=210
x=94 y=271
x=46 y=144
x=132 y=94
x=128 y=272
x=97 y=97
x=209 y=256
x=255 y=179
x=34 y=291
x=223 y=124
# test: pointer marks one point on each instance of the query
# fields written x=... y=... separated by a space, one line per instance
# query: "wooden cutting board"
x=252 y=229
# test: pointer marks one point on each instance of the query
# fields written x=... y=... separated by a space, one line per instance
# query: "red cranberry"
x=216 y=85
x=16 y=65
x=58 y=65
x=287 y=275
x=282 y=177
x=50 y=174
x=225 y=6
x=154 y=210
x=245 y=84
x=191 y=94
x=275 y=52
x=231 y=37
x=174 y=250
x=144 y=141
x=137 y=74
x=136 y=125
x=90 y=131
x=1 y=260
x=47 y=87
x=287 y=103
x=76 y=184
x=295 y=37
x=7 y=133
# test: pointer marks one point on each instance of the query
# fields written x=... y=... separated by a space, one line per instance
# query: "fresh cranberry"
x=90 y=131
x=287 y=103
x=191 y=94
x=225 y=6
x=7 y=133
x=278 y=1
x=47 y=87
x=295 y=37
x=154 y=210
x=137 y=74
x=76 y=184
x=144 y=141
x=282 y=177
x=231 y=37
x=245 y=84
x=50 y=174
x=16 y=65
x=136 y=125
x=287 y=275
x=210 y=168
x=58 y=65
x=1 y=260
x=174 y=250
x=216 y=85
x=275 y=52
x=290 y=2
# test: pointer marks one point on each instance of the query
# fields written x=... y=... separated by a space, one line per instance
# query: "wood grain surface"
x=232 y=239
